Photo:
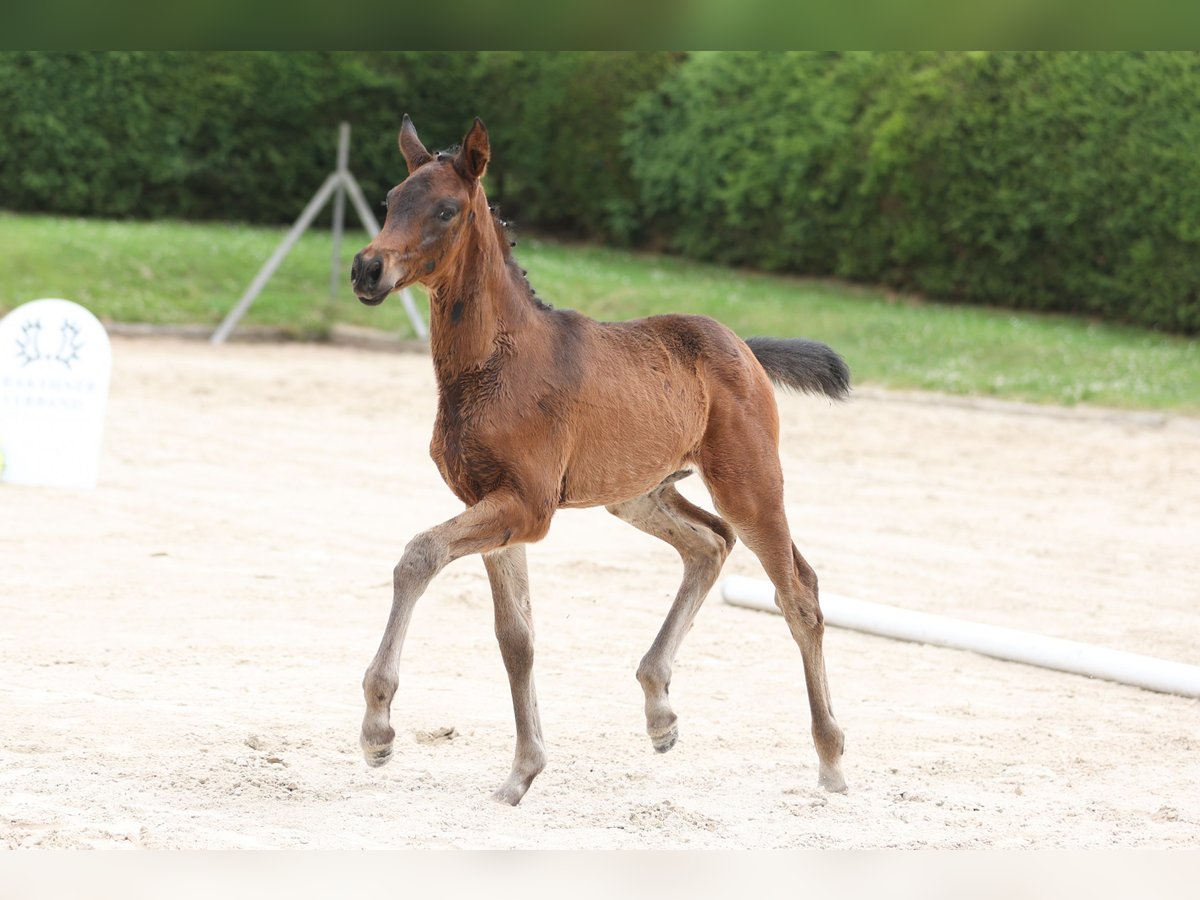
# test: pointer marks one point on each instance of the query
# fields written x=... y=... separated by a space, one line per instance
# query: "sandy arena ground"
x=181 y=649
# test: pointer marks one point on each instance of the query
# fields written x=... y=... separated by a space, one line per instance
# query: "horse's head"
x=428 y=215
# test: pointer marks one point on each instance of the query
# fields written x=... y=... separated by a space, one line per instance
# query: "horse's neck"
x=472 y=315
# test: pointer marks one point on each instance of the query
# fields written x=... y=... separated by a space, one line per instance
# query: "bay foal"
x=541 y=409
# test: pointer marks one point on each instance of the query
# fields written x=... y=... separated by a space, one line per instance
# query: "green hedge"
x=249 y=136
x=239 y=136
x=1047 y=181
x=556 y=121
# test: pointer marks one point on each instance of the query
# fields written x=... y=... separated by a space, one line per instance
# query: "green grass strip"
x=172 y=273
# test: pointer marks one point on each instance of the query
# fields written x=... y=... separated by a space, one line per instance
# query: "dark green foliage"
x=741 y=156
x=1045 y=181
x=1049 y=181
x=557 y=127
x=250 y=136
x=238 y=136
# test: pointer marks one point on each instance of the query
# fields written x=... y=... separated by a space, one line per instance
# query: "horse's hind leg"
x=750 y=496
x=802 y=610
x=509 y=578
x=703 y=541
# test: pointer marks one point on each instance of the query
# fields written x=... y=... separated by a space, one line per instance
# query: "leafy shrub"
x=249 y=136
x=556 y=121
x=1048 y=181
x=1052 y=181
x=238 y=136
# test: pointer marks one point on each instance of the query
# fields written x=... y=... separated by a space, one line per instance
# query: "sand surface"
x=181 y=649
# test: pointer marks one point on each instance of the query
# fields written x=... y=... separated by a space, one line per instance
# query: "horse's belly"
x=636 y=433
x=606 y=474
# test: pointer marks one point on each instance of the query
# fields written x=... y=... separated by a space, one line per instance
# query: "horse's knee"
x=721 y=527
x=423 y=557
x=726 y=539
x=720 y=547
x=704 y=555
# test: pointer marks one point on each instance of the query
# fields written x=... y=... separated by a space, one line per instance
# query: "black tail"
x=802 y=365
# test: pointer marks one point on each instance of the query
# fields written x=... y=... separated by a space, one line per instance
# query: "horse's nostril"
x=365 y=272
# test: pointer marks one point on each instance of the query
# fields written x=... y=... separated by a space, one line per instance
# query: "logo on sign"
x=29 y=349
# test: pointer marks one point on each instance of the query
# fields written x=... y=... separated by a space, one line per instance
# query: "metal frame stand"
x=339 y=183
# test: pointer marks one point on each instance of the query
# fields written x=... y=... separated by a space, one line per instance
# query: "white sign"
x=55 y=364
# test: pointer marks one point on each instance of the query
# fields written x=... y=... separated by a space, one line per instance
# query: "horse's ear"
x=414 y=151
x=476 y=151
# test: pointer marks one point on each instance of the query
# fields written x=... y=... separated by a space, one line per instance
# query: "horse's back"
x=643 y=406
x=687 y=338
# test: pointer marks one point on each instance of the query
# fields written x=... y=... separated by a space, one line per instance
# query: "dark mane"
x=507 y=241
x=504 y=232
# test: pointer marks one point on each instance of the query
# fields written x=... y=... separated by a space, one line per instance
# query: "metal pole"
x=360 y=204
x=264 y=274
x=339 y=209
x=338 y=184
x=414 y=315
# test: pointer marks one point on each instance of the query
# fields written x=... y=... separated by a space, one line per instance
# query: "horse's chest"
x=468 y=461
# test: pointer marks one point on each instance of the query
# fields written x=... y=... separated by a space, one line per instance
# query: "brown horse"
x=541 y=409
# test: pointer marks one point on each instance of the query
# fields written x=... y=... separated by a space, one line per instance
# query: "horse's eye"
x=446 y=215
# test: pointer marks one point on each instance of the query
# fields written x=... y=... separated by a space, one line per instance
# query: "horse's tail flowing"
x=802 y=365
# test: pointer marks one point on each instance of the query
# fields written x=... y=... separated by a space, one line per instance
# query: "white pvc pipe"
x=991 y=640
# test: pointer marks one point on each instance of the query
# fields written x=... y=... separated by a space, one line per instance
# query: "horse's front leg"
x=497 y=520
x=509 y=578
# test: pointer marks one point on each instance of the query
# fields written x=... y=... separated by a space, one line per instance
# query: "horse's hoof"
x=376 y=739
x=377 y=758
x=831 y=778
x=665 y=741
x=508 y=795
x=376 y=755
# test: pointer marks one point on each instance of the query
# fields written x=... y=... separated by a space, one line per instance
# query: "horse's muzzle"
x=364 y=278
